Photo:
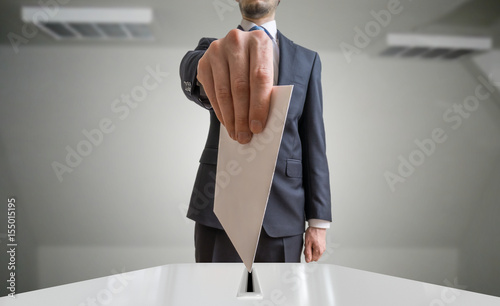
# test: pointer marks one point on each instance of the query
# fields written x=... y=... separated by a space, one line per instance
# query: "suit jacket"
x=301 y=188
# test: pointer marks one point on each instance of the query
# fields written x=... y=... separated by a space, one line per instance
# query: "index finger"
x=261 y=80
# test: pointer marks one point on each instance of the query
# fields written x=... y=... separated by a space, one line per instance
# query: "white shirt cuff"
x=318 y=223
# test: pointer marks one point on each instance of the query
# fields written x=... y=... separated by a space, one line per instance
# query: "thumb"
x=308 y=253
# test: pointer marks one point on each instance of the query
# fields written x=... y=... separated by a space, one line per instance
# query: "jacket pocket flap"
x=293 y=168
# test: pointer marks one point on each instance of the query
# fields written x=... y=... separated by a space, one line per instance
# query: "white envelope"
x=244 y=177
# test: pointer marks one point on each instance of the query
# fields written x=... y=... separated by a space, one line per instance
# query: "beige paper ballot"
x=244 y=177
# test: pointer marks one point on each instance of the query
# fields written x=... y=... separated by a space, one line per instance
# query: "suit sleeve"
x=188 y=71
x=316 y=178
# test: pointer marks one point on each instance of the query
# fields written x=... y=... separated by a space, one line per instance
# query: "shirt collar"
x=270 y=26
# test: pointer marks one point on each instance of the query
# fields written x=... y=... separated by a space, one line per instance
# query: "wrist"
x=318 y=223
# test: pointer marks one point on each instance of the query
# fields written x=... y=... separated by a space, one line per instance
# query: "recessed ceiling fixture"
x=430 y=46
x=465 y=31
x=92 y=23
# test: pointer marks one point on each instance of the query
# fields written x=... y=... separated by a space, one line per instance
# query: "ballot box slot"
x=249 y=286
x=250 y=282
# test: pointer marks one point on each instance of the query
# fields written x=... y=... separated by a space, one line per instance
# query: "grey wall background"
x=123 y=207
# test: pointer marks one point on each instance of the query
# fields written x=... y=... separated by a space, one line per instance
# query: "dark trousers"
x=213 y=245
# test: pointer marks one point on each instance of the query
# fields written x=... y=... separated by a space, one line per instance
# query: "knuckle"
x=202 y=66
x=223 y=93
x=203 y=60
x=215 y=44
x=233 y=34
x=259 y=36
x=229 y=125
x=259 y=107
x=233 y=39
x=260 y=41
x=262 y=74
x=241 y=85
x=213 y=48
x=203 y=71
x=241 y=120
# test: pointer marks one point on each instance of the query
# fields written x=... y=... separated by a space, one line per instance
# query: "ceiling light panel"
x=93 y=23
x=434 y=46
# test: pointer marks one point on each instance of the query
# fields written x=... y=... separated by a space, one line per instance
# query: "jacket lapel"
x=287 y=56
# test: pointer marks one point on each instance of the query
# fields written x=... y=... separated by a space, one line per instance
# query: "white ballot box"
x=271 y=284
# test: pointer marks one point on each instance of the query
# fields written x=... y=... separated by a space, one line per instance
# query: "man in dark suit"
x=232 y=78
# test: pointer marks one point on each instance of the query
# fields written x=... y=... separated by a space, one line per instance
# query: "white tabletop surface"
x=281 y=284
